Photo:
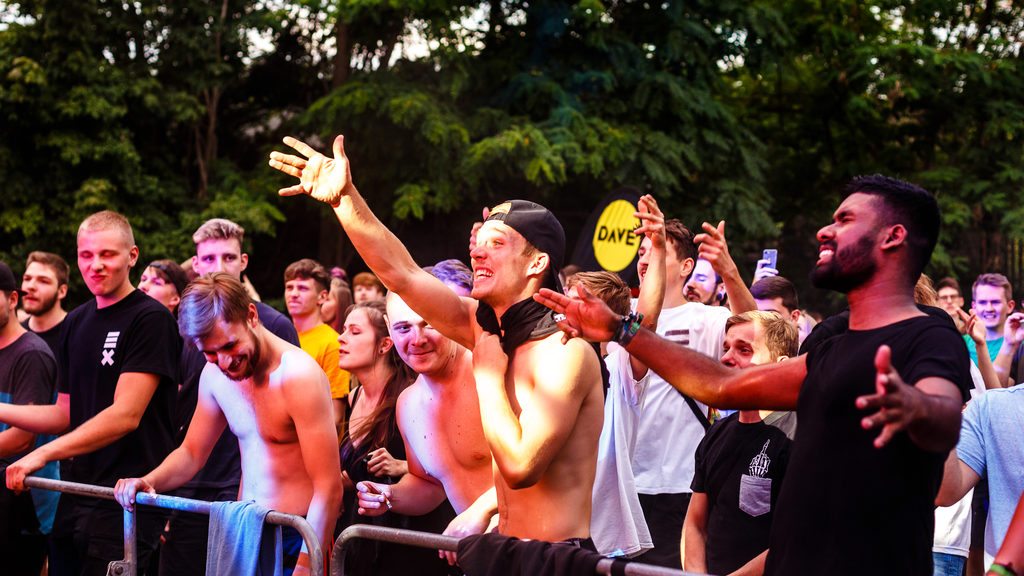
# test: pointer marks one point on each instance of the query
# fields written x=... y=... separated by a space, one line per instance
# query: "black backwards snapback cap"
x=540 y=227
x=7 y=281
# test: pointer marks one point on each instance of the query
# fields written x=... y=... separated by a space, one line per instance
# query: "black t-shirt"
x=847 y=507
x=51 y=336
x=137 y=334
x=28 y=375
x=739 y=467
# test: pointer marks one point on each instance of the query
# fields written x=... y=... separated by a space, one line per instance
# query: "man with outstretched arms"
x=854 y=500
x=116 y=382
x=275 y=398
x=439 y=417
x=543 y=420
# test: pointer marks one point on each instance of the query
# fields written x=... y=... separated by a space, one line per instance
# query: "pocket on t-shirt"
x=755 y=495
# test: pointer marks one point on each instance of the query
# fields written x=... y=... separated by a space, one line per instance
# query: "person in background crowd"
x=28 y=376
x=117 y=380
x=165 y=282
x=45 y=285
x=373 y=450
x=366 y=286
x=339 y=298
x=305 y=289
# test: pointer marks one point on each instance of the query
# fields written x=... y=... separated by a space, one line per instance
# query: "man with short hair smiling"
x=544 y=450
x=439 y=417
x=45 y=284
x=858 y=497
x=117 y=379
x=277 y=400
x=992 y=301
x=306 y=283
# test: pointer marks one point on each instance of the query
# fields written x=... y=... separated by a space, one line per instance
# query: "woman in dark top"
x=373 y=448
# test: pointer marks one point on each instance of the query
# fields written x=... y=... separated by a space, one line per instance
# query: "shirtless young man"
x=543 y=420
x=276 y=400
x=439 y=416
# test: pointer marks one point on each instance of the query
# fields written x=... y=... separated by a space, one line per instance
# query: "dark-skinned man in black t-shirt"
x=881 y=404
x=117 y=378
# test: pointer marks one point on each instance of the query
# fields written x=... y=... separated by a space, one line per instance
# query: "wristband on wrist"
x=628 y=328
x=1002 y=570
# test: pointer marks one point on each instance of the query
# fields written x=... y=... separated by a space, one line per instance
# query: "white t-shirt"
x=669 y=432
x=617 y=523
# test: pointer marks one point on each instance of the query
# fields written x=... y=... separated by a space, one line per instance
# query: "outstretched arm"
x=1013 y=334
x=38 y=418
x=773 y=386
x=131 y=396
x=652 y=291
x=183 y=462
x=715 y=250
x=929 y=411
x=330 y=180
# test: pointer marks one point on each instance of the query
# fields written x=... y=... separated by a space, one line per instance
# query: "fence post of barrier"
x=128 y=566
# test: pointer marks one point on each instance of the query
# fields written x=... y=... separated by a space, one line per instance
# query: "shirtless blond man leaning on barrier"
x=276 y=400
x=439 y=417
x=543 y=420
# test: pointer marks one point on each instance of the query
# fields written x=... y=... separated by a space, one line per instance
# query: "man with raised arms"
x=854 y=500
x=543 y=420
x=439 y=416
x=276 y=400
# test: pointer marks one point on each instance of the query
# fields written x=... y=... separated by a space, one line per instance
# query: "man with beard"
x=45 y=284
x=275 y=398
x=854 y=500
x=117 y=377
x=704 y=285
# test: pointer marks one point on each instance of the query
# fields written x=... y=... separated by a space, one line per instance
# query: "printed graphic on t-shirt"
x=681 y=336
x=759 y=464
x=108 y=348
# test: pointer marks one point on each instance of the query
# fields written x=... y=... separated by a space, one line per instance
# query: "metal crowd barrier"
x=450 y=543
x=129 y=565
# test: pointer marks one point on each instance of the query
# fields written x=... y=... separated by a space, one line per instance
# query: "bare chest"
x=257 y=413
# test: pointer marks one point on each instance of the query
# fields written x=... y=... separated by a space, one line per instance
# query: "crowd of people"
x=532 y=410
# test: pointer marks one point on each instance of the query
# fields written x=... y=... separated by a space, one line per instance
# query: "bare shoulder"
x=410 y=399
x=575 y=363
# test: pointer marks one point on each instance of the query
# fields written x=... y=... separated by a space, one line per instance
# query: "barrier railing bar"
x=441 y=542
x=128 y=565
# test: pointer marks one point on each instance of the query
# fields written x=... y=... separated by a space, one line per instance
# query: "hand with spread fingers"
x=1013 y=329
x=587 y=317
x=325 y=179
x=897 y=403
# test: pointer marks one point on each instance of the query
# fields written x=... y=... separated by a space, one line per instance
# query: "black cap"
x=7 y=281
x=540 y=227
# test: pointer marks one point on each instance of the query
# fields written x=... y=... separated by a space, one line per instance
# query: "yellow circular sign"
x=615 y=244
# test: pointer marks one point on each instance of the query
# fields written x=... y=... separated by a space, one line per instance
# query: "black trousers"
x=665 y=514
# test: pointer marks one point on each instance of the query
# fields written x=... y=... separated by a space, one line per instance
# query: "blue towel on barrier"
x=236 y=536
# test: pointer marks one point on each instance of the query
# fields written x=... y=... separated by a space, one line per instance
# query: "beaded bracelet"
x=1002 y=570
x=628 y=328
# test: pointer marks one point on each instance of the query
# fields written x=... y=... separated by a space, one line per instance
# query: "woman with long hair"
x=373 y=449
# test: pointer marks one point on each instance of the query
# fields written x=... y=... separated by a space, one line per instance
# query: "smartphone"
x=772 y=256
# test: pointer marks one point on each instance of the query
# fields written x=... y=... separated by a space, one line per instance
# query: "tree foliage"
x=753 y=112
